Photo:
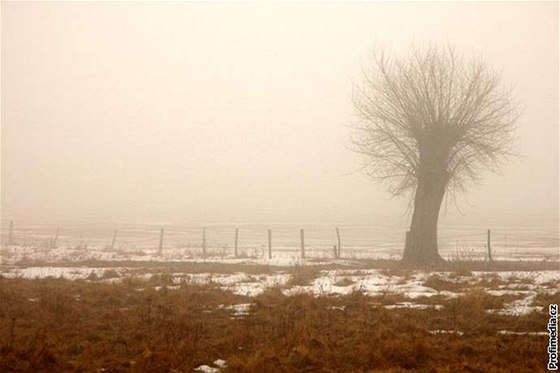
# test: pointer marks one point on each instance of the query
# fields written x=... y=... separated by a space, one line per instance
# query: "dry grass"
x=545 y=299
x=57 y=325
x=303 y=275
x=344 y=281
x=460 y=268
x=440 y=283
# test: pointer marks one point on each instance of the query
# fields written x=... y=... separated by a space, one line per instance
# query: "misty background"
x=241 y=112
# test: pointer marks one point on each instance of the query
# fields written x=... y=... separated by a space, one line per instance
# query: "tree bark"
x=421 y=246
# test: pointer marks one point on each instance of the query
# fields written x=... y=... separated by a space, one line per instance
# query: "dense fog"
x=241 y=112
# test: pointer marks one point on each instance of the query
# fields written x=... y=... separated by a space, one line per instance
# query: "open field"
x=81 y=306
x=82 y=241
x=284 y=186
x=233 y=317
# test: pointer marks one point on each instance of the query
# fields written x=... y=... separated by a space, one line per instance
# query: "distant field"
x=82 y=241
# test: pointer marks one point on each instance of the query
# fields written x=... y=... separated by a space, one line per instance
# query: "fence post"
x=337 y=254
x=53 y=246
x=302 y=237
x=407 y=239
x=270 y=244
x=204 y=243
x=235 y=246
x=160 y=249
x=489 y=246
x=11 y=236
x=114 y=240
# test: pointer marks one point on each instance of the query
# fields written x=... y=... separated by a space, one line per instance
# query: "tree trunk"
x=421 y=246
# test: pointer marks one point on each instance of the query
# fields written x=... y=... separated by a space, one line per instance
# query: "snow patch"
x=509 y=332
x=239 y=310
x=207 y=369
x=445 y=332
x=418 y=306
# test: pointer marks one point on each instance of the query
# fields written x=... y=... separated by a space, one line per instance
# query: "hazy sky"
x=239 y=111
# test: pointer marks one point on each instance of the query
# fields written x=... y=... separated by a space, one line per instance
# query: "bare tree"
x=429 y=124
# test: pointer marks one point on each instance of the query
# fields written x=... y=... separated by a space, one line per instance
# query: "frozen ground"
x=13 y=255
x=281 y=256
x=415 y=287
x=94 y=261
x=91 y=240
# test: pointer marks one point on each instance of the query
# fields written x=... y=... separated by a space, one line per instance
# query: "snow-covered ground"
x=92 y=240
x=413 y=286
x=281 y=256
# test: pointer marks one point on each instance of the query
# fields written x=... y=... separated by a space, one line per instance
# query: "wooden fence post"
x=114 y=240
x=53 y=246
x=270 y=244
x=489 y=246
x=407 y=239
x=160 y=249
x=204 y=243
x=339 y=244
x=236 y=237
x=302 y=237
x=11 y=236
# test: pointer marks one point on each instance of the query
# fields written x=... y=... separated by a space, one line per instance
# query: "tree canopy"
x=436 y=100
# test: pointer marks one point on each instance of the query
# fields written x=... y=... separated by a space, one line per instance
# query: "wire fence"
x=253 y=240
